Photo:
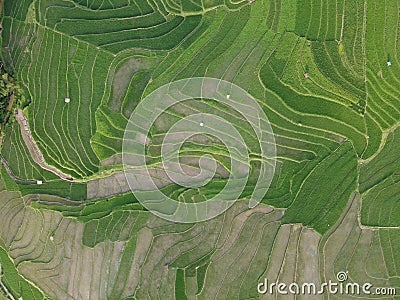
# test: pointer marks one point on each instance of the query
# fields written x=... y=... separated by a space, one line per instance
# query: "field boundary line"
x=33 y=149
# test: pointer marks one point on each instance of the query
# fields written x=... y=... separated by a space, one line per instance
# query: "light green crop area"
x=327 y=75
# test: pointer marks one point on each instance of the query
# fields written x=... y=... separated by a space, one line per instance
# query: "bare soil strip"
x=34 y=150
x=11 y=102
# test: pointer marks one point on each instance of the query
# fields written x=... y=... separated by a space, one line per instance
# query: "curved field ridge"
x=17 y=155
x=54 y=67
x=367 y=254
x=323 y=195
x=134 y=24
x=134 y=254
x=346 y=97
x=47 y=248
x=325 y=72
x=379 y=184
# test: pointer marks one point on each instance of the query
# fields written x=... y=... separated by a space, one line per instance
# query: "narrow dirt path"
x=34 y=150
x=11 y=174
x=11 y=102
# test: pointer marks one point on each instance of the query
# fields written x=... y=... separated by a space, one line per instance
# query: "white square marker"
x=201 y=124
x=228 y=96
x=67 y=100
x=389 y=63
x=39 y=182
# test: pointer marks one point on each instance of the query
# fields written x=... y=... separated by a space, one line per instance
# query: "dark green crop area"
x=325 y=72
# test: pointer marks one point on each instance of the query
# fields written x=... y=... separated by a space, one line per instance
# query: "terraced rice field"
x=326 y=74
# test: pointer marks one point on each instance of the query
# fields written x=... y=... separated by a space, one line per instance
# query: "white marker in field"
x=228 y=96
x=201 y=124
x=67 y=100
x=39 y=182
x=52 y=238
x=389 y=63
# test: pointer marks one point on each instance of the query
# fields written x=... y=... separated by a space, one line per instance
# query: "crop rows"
x=47 y=248
x=19 y=159
x=233 y=54
x=310 y=117
x=324 y=195
x=59 y=66
x=318 y=19
x=381 y=47
x=18 y=9
x=379 y=186
x=222 y=50
x=318 y=69
x=206 y=257
x=140 y=24
x=366 y=255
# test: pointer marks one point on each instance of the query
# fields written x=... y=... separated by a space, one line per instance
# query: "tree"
x=6 y=86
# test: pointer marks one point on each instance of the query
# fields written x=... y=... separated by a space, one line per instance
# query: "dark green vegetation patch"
x=326 y=73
